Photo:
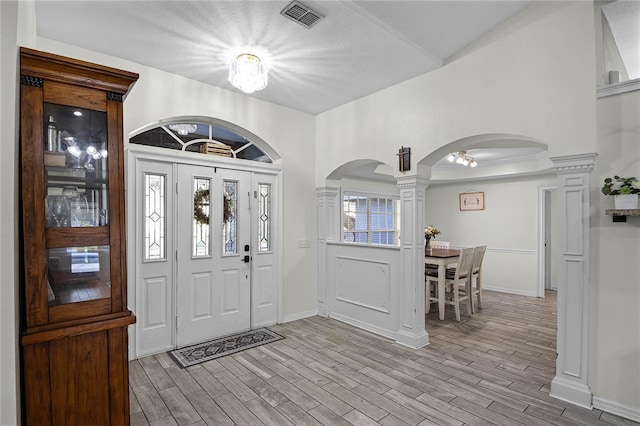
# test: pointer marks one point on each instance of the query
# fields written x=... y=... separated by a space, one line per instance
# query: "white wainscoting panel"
x=352 y=273
x=511 y=271
x=363 y=286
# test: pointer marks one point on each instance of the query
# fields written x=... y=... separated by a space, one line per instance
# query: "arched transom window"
x=205 y=138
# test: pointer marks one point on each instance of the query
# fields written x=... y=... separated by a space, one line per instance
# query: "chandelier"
x=461 y=157
x=247 y=73
x=183 y=129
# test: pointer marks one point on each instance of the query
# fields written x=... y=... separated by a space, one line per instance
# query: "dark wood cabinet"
x=74 y=305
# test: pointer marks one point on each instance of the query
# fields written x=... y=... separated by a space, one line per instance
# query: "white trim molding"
x=571 y=382
x=363 y=325
x=615 y=89
x=510 y=291
x=617 y=409
x=299 y=316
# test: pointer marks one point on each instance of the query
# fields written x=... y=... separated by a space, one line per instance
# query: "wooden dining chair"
x=456 y=283
x=436 y=244
x=475 y=279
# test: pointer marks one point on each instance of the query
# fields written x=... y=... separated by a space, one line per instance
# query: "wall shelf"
x=619 y=215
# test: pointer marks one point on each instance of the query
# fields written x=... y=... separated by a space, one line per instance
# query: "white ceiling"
x=624 y=20
x=359 y=47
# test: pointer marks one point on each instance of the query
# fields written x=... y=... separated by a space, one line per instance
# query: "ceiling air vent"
x=301 y=14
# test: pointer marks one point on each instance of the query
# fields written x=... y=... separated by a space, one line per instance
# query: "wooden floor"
x=492 y=369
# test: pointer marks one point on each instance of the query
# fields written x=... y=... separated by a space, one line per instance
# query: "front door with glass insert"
x=213 y=253
x=206 y=253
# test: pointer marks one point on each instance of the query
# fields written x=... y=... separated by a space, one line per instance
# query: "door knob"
x=246 y=259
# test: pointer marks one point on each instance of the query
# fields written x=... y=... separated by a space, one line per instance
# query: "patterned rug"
x=217 y=348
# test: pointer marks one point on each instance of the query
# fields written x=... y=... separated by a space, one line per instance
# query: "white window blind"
x=370 y=219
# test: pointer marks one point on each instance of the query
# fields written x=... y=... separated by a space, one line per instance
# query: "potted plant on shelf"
x=429 y=232
x=625 y=191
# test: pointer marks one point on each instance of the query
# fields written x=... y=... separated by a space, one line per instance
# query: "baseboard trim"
x=300 y=315
x=571 y=391
x=617 y=409
x=411 y=340
x=511 y=291
x=357 y=323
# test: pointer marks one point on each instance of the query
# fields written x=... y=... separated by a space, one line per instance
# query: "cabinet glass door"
x=76 y=159
x=76 y=204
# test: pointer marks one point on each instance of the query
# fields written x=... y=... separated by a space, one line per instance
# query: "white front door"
x=213 y=253
x=207 y=243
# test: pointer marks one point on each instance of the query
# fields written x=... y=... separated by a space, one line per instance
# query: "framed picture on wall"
x=471 y=201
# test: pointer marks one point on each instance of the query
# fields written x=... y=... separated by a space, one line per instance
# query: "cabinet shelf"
x=620 y=215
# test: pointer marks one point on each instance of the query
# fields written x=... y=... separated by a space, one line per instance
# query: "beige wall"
x=535 y=78
x=615 y=254
x=9 y=388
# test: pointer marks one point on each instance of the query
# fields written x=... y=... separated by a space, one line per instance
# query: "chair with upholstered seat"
x=475 y=279
x=456 y=283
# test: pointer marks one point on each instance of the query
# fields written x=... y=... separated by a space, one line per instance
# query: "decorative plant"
x=430 y=232
x=620 y=186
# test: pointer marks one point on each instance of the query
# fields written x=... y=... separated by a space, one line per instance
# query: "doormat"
x=196 y=354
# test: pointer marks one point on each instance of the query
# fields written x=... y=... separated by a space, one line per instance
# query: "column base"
x=323 y=311
x=575 y=392
x=412 y=340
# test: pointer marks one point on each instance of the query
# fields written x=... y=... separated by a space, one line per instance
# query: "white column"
x=412 y=332
x=328 y=231
x=571 y=382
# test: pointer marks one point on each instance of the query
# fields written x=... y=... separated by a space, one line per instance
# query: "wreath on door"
x=201 y=199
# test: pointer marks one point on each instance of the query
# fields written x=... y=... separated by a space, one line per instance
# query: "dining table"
x=443 y=258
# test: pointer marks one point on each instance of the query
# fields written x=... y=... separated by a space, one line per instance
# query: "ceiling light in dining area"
x=248 y=73
x=462 y=158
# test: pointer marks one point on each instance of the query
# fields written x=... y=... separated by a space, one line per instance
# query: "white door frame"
x=544 y=209
x=134 y=153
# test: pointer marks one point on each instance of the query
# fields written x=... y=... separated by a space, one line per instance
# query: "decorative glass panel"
x=264 y=217
x=78 y=274
x=154 y=217
x=229 y=224
x=201 y=213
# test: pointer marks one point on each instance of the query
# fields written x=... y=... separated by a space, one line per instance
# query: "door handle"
x=246 y=259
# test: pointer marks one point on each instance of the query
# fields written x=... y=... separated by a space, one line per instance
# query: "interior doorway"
x=546 y=242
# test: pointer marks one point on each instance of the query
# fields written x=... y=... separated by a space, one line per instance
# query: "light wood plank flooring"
x=491 y=369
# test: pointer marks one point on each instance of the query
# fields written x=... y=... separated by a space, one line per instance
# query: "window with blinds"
x=370 y=219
